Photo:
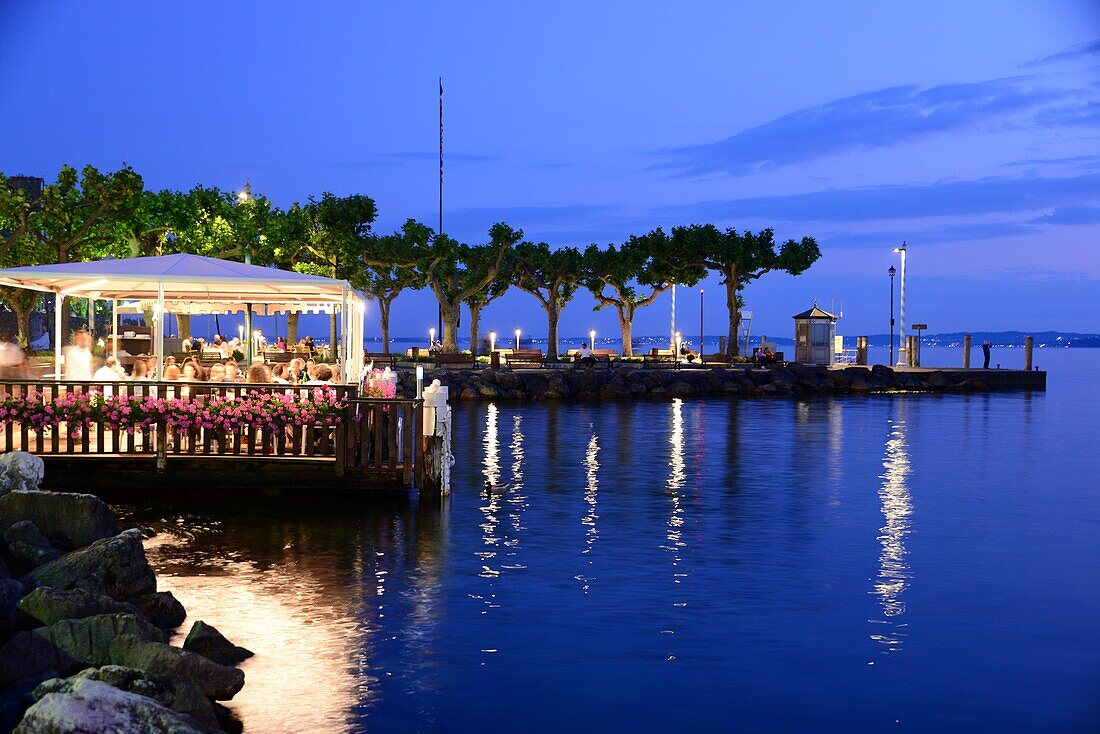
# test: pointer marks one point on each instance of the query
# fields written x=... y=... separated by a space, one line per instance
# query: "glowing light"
x=517 y=338
x=592 y=338
x=431 y=336
x=492 y=341
x=897 y=507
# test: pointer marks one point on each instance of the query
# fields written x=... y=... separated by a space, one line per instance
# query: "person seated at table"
x=187 y=345
x=280 y=343
x=296 y=370
x=217 y=372
x=233 y=372
x=279 y=374
x=687 y=353
x=139 y=370
x=171 y=373
x=308 y=344
x=259 y=374
x=322 y=375
x=168 y=361
x=189 y=372
x=584 y=355
x=109 y=372
x=311 y=367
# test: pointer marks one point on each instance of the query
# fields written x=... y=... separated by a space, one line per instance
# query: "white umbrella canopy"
x=187 y=281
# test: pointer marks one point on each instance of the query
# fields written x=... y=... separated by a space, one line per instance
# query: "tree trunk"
x=450 y=326
x=626 y=324
x=475 y=322
x=552 y=315
x=384 y=317
x=292 y=327
x=332 y=334
x=184 y=322
x=733 y=348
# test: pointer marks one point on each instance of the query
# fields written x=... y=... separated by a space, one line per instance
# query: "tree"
x=552 y=277
x=619 y=277
x=385 y=282
x=80 y=216
x=478 y=301
x=739 y=258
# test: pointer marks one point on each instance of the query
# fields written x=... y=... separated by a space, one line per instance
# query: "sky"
x=970 y=131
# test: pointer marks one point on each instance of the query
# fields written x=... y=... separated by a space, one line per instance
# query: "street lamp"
x=592 y=338
x=431 y=337
x=492 y=341
x=517 y=338
x=892 y=271
x=672 y=318
x=676 y=346
x=700 y=324
x=901 y=309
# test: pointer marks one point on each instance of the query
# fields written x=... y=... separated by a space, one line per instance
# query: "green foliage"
x=552 y=277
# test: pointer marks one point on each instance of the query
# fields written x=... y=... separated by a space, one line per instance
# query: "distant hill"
x=999 y=339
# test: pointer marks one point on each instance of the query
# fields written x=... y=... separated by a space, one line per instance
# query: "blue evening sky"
x=970 y=130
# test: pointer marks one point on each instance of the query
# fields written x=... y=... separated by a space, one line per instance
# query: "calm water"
x=860 y=564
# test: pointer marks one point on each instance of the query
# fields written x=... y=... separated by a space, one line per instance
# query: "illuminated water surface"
x=856 y=564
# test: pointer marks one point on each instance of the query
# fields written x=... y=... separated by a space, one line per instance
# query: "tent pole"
x=344 y=333
x=114 y=326
x=91 y=317
x=158 y=348
x=248 y=336
x=58 y=300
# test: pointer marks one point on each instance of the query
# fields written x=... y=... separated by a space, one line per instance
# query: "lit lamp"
x=676 y=353
x=517 y=338
x=240 y=333
x=902 y=351
x=592 y=338
x=492 y=341
x=431 y=337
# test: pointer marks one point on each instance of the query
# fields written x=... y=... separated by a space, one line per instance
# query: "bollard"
x=861 y=350
x=437 y=439
x=494 y=359
x=966 y=352
x=1029 y=344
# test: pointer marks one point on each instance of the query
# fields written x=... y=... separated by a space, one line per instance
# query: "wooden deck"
x=369 y=442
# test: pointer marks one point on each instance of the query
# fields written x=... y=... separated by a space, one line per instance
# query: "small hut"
x=814 y=336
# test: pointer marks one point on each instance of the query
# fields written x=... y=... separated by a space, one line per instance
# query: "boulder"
x=20 y=470
x=27 y=654
x=28 y=548
x=91 y=707
x=68 y=519
x=114 y=567
x=161 y=608
x=205 y=640
x=178 y=695
x=10 y=592
x=216 y=681
x=89 y=640
x=46 y=606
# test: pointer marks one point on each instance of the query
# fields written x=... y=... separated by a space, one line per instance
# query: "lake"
x=906 y=562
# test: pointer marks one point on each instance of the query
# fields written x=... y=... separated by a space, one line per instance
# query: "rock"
x=10 y=592
x=205 y=640
x=468 y=394
x=4 y=572
x=20 y=470
x=216 y=681
x=178 y=695
x=161 y=608
x=27 y=654
x=46 y=606
x=88 y=640
x=680 y=389
x=114 y=567
x=68 y=519
x=92 y=706
x=28 y=548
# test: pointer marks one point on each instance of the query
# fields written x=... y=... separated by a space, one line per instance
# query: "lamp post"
x=676 y=346
x=431 y=337
x=892 y=271
x=672 y=320
x=901 y=309
x=592 y=338
x=517 y=338
x=700 y=324
x=492 y=341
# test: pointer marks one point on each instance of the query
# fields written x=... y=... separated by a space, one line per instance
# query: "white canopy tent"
x=195 y=284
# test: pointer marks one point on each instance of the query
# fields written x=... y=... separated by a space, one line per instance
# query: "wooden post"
x=861 y=350
x=911 y=351
x=1029 y=344
x=966 y=352
x=494 y=360
x=162 y=448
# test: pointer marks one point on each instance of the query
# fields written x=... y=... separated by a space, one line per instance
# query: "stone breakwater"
x=83 y=630
x=634 y=382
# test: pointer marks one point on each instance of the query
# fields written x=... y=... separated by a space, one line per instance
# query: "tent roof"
x=813 y=313
x=184 y=277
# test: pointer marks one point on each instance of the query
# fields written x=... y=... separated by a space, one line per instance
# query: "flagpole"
x=440 y=308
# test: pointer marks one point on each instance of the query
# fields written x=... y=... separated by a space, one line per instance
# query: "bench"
x=660 y=358
x=455 y=360
x=599 y=356
x=526 y=358
x=380 y=359
x=758 y=357
x=718 y=359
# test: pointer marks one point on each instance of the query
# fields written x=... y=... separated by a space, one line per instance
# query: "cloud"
x=1085 y=162
x=953 y=198
x=1073 y=53
x=1072 y=215
x=883 y=118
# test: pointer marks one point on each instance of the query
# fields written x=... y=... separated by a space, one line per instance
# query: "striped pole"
x=672 y=321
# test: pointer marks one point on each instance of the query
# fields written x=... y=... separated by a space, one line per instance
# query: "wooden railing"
x=369 y=436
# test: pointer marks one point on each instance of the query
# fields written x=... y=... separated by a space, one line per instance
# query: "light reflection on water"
x=798 y=521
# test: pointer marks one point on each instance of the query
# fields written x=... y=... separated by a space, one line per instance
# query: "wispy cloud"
x=1073 y=53
x=883 y=118
x=1072 y=215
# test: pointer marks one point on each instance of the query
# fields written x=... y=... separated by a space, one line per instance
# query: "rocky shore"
x=633 y=382
x=83 y=630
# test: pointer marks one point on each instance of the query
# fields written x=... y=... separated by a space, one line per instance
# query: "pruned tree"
x=552 y=277
x=386 y=282
x=478 y=301
x=739 y=258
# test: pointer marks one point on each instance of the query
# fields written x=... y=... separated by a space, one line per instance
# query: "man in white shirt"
x=584 y=355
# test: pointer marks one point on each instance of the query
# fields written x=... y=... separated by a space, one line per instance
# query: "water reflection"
x=674 y=535
x=592 y=482
x=897 y=507
x=492 y=495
